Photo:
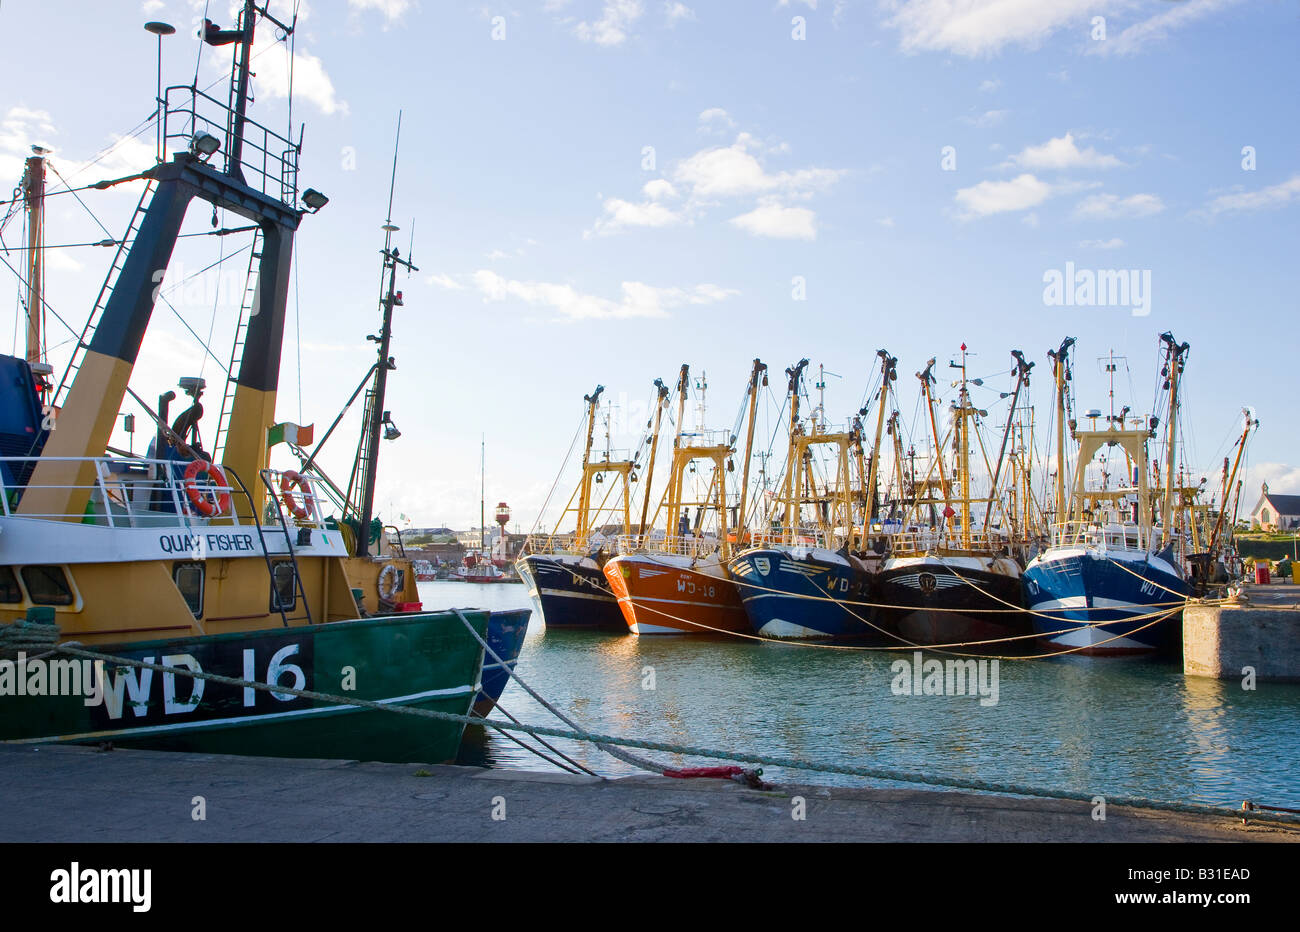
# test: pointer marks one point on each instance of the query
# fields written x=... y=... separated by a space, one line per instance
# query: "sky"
x=597 y=191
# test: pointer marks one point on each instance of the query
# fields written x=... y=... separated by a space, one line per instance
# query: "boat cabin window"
x=9 y=590
x=189 y=580
x=47 y=585
x=284 y=593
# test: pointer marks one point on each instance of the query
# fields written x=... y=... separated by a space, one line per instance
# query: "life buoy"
x=390 y=582
x=219 y=502
x=288 y=481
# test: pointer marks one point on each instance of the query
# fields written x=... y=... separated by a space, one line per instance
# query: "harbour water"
x=1102 y=726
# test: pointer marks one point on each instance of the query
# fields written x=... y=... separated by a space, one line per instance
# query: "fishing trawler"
x=950 y=583
x=186 y=559
x=1112 y=581
x=678 y=583
x=802 y=577
x=565 y=573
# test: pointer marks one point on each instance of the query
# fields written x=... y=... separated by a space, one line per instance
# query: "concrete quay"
x=1260 y=633
x=79 y=795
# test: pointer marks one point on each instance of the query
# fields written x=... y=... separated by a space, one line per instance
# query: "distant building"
x=1276 y=512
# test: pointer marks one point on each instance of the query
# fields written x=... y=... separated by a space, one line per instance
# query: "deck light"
x=204 y=144
x=314 y=199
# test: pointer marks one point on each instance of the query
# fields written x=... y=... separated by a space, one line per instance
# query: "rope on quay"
x=875 y=773
x=634 y=760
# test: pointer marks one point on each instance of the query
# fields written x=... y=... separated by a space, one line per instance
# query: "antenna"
x=389 y=229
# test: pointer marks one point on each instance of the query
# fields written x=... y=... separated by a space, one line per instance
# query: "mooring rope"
x=634 y=760
x=875 y=773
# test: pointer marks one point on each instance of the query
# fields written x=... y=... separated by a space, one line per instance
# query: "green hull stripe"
x=240 y=721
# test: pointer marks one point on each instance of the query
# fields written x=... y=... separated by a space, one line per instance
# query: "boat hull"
x=659 y=596
x=505 y=635
x=569 y=591
x=1072 y=589
x=952 y=600
x=795 y=594
x=427 y=661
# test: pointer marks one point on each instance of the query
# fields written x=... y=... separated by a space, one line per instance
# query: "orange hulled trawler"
x=676 y=581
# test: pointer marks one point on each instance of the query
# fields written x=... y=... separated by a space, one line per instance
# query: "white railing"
x=694 y=547
x=927 y=539
x=128 y=493
x=1109 y=536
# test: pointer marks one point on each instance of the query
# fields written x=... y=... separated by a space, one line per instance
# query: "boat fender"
x=209 y=507
x=391 y=582
x=288 y=481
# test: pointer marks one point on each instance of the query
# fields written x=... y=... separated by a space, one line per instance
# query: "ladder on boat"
x=301 y=592
x=247 y=309
x=106 y=290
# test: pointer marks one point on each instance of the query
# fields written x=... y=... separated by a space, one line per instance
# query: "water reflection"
x=1111 y=726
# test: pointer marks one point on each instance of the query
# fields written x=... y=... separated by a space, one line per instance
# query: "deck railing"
x=268 y=161
x=133 y=493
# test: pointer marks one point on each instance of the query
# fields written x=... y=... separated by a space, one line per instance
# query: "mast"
x=482 y=490
x=584 y=498
x=792 y=468
x=34 y=190
x=1174 y=367
x=926 y=377
x=888 y=374
x=758 y=374
x=1060 y=371
x=662 y=398
x=1022 y=379
x=962 y=442
x=376 y=415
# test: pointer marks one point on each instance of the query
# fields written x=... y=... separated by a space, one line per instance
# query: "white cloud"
x=986 y=119
x=621 y=214
x=995 y=197
x=886 y=221
x=1112 y=206
x=677 y=12
x=637 y=299
x=1282 y=478
x=1135 y=37
x=615 y=23
x=778 y=222
x=1278 y=195
x=1061 y=154
x=1113 y=243
x=716 y=117
x=982 y=27
x=393 y=10
x=659 y=189
x=151 y=6
x=496 y=254
x=719 y=173
x=992 y=84
x=445 y=281
x=729 y=171
x=979 y=28
x=310 y=81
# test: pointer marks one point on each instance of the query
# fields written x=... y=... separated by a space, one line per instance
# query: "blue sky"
x=610 y=188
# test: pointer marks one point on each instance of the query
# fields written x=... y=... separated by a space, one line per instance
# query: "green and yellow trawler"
x=183 y=560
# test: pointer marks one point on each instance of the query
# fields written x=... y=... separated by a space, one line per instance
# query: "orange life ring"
x=218 y=503
x=288 y=480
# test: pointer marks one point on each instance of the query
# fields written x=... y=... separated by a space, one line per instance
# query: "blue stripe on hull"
x=1088 y=579
x=505 y=635
x=565 y=595
x=787 y=597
